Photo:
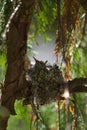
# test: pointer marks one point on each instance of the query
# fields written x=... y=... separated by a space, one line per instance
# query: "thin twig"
x=38 y=114
x=58 y=115
x=74 y=127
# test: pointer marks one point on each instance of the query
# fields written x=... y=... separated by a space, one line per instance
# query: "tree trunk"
x=15 y=37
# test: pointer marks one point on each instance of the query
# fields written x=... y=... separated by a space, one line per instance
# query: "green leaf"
x=20 y=121
x=16 y=123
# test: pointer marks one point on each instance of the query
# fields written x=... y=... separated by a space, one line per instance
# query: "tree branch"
x=78 y=85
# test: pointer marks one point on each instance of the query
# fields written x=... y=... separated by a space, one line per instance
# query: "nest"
x=46 y=82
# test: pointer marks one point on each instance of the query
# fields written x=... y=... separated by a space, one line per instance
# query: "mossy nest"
x=46 y=82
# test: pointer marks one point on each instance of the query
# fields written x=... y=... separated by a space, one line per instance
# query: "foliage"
x=6 y=7
x=21 y=120
x=43 y=19
x=24 y=116
x=79 y=69
x=5 y=12
x=2 y=64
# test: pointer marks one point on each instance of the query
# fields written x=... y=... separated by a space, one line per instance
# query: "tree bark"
x=15 y=37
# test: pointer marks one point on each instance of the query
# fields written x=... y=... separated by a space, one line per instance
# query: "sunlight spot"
x=66 y=93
